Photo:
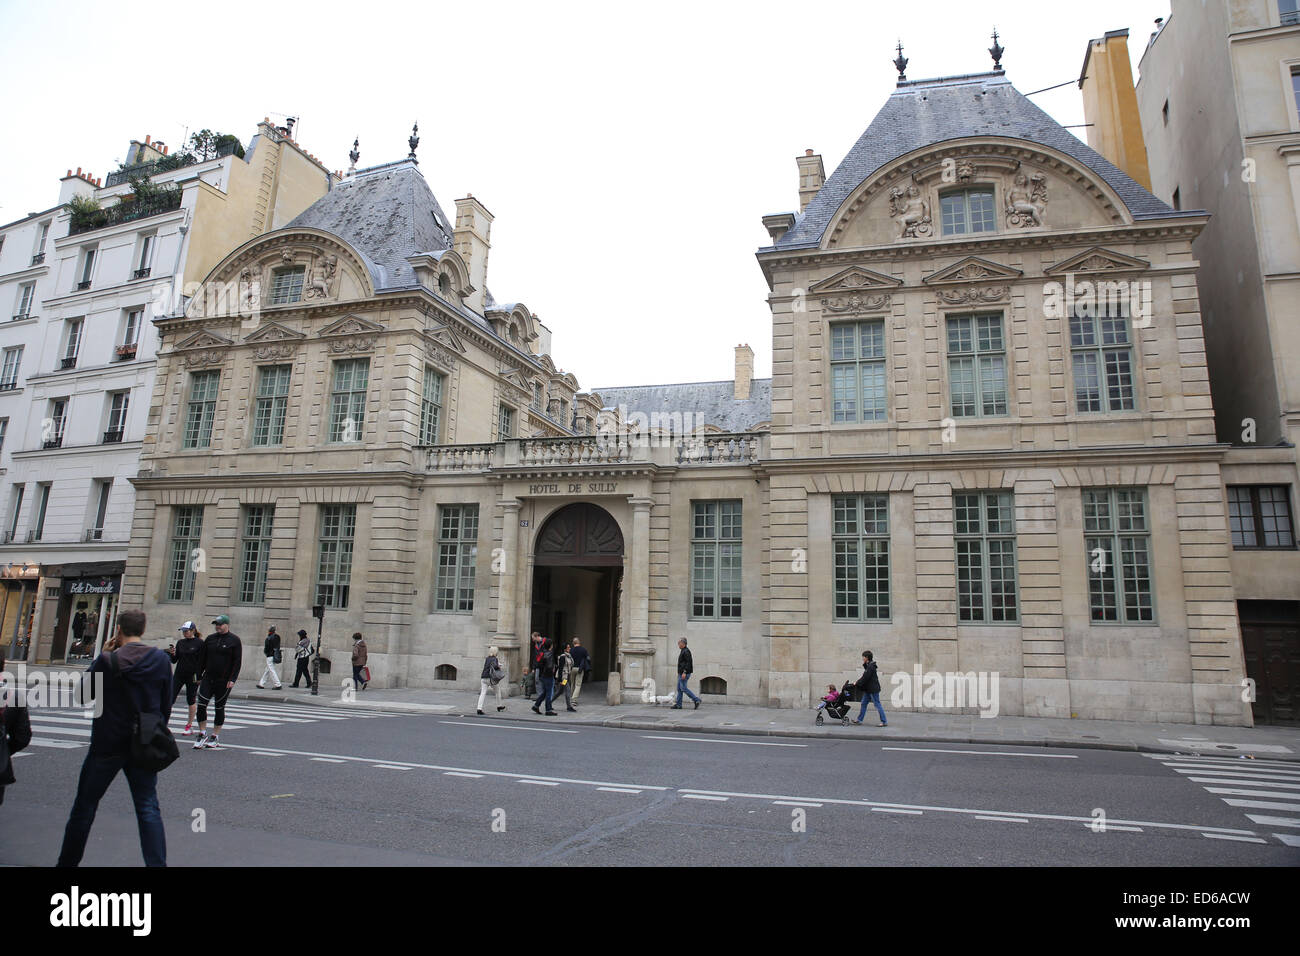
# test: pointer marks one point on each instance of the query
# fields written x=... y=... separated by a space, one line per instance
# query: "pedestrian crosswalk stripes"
x=1270 y=785
x=65 y=729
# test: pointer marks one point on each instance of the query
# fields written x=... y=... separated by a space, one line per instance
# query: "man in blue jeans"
x=869 y=686
x=144 y=682
x=684 y=668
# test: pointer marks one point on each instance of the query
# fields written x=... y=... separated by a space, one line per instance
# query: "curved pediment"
x=1034 y=189
x=242 y=283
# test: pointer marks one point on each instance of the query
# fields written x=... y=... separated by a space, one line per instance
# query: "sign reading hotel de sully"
x=575 y=488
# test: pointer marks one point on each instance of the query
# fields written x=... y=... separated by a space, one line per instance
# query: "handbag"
x=365 y=675
x=152 y=746
x=277 y=657
x=496 y=675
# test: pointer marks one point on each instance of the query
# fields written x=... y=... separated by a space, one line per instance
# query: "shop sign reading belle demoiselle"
x=92 y=586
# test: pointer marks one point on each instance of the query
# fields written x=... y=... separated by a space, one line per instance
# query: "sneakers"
x=210 y=742
x=186 y=731
x=198 y=744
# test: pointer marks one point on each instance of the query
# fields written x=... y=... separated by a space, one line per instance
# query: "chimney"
x=811 y=176
x=1110 y=106
x=473 y=229
x=744 y=371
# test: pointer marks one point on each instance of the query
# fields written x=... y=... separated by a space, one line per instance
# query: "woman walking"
x=493 y=676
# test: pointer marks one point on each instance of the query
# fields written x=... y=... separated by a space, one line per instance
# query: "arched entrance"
x=577 y=567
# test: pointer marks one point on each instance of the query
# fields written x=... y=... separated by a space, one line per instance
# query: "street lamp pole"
x=318 y=612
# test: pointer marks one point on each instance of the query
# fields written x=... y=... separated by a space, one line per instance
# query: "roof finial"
x=996 y=52
x=901 y=63
x=414 y=141
x=354 y=155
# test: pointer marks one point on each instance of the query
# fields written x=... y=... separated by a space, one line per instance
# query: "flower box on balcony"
x=125 y=352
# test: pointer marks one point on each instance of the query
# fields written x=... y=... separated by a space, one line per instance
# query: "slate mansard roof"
x=708 y=403
x=924 y=113
x=386 y=213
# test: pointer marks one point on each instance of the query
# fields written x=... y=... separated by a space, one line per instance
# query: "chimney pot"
x=744 y=372
x=78 y=170
x=808 y=152
x=146 y=139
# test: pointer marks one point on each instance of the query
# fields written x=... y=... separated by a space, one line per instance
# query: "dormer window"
x=444 y=285
x=967 y=210
x=286 y=285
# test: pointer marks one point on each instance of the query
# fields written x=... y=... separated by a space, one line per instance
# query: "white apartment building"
x=77 y=363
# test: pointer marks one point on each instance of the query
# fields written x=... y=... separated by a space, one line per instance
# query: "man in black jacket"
x=143 y=682
x=868 y=686
x=271 y=648
x=581 y=667
x=223 y=655
x=546 y=671
x=685 y=666
x=15 y=731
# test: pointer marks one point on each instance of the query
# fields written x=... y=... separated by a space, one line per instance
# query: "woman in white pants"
x=490 y=665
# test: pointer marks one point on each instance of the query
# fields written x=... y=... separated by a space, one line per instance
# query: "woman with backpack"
x=493 y=676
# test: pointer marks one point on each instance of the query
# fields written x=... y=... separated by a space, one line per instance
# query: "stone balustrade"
x=445 y=458
x=742 y=448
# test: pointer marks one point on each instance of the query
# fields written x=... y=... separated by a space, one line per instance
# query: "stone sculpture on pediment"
x=353 y=343
x=202 y=357
x=282 y=350
x=910 y=211
x=323 y=271
x=973 y=294
x=857 y=302
x=1026 y=200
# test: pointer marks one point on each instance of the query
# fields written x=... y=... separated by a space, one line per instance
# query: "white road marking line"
x=496 y=726
x=918 y=808
x=25 y=753
x=1246 y=782
x=59 y=729
x=457 y=773
x=1224 y=763
x=794 y=803
x=1239 y=839
x=1216 y=770
x=264 y=753
x=539 y=783
x=389 y=766
x=895 y=810
x=1003 y=819
x=703 y=796
x=1290 y=839
x=50 y=718
x=1110 y=826
x=1254 y=792
x=509 y=775
x=710 y=740
x=1274 y=821
x=1247 y=775
x=985 y=753
x=327 y=759
x=56 y=744
x=1260 y=804
x=618 y=789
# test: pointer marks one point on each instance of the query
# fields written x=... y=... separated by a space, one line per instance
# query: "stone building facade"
x=959 y=461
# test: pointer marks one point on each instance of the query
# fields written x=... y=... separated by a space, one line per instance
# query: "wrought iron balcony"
x=141 y=273
x=38 y=259
x=56 y=442
x=8 y=386
x=145 y=170
x=33 y=535
x=83 y=285
x=111 y=437
x=94 y=534
x=22 y=315
x=69 y=362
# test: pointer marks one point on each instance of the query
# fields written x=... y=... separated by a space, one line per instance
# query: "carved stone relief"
x=973 y=294
x=910 y=211
x=1026 y=199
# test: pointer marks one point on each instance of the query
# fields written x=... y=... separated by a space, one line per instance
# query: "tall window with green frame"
x=716 y=579
x=272 y=404
x=431 y=408
x=984 y=531
x=201 y=410
x=858 y=392
x=338 y=527
x=187 y=528
x=255 y=553
x=977 y=366
x=1117 y=536
x=457 y=553
x=1101 y=357
x=860 y=550
x=348 y=400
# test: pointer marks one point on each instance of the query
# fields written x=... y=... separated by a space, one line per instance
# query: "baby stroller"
x=839 y=708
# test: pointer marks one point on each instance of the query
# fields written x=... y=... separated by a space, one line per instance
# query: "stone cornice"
x=1016 y=459
x=274 y=480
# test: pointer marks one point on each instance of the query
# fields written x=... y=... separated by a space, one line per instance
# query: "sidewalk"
x=1272 y=743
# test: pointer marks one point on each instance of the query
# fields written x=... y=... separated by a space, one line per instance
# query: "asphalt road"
x=338 y=786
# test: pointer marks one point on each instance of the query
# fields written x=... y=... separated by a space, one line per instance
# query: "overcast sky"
x=628 y=152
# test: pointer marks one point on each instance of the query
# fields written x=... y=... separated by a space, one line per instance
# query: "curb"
x=641 y=723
